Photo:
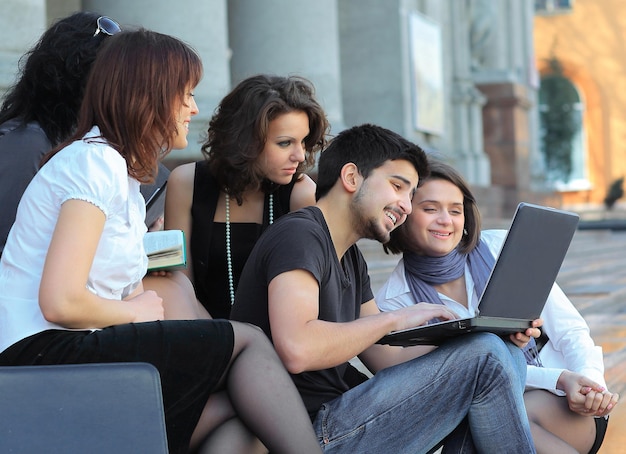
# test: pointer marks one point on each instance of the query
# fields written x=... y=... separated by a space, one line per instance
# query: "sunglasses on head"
x=107 y=26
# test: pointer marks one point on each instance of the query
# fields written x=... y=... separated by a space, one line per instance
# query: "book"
x=166 y=249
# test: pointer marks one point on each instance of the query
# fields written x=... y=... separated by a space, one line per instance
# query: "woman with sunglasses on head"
x=71 y=290
x=447 y=260
x=261 y=139
x=41 y=109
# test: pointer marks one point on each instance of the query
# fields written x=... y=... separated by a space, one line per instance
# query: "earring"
x=464 y=231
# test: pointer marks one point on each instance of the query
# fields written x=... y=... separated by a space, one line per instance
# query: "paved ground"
x=594 y=277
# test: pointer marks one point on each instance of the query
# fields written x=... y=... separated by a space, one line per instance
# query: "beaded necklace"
x=229 y=259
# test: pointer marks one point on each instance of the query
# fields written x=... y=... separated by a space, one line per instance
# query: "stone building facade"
x=456 y=76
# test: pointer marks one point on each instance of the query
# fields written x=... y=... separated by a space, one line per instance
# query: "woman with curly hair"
x=41 y=109
x=261 y=139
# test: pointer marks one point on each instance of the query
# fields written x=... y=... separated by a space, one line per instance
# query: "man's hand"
x=420 y=313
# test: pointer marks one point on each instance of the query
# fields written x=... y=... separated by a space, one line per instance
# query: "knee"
x=246 y=333
x=503 y=349
x=529 y=404
x=489 y=343
x=542 y=406
x=509 y=356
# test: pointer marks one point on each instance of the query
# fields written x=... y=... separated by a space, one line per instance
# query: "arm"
x=378 y=356
x=305 y=343
x=569 y=334
x=570 y=348
x=580 y=371
x=178 y=199
x=303 y=193
x=63 y=295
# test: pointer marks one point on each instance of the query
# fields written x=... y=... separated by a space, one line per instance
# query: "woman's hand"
x=585 y=396
x=522 y=339
x=147 y=306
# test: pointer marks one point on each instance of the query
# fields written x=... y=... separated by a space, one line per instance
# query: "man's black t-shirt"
x=301 y=240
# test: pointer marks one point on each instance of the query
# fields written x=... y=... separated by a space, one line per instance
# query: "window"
x=548 y=7
x=562 y=134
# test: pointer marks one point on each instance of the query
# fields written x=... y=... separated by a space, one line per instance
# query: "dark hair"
x=440 y=170
x=53 y=75
x=369 y=147
x=138 y=80
x=238 y=130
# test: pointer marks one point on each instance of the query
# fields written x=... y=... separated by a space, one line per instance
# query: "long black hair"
x=52 y=76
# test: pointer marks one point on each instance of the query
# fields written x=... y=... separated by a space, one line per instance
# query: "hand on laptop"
x=522 y=339
x=420 y=313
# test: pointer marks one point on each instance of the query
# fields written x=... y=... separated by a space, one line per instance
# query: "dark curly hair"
x=52 y=76
x=238 y=130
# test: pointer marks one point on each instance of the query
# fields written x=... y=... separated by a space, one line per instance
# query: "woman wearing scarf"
x=447 y=260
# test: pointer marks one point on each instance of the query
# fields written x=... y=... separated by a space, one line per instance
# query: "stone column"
x=21 y=25
x=202 y=24
x=466 y=99
x=289 y=37
x=506 y=133
x=375 y=68
x=467 y=104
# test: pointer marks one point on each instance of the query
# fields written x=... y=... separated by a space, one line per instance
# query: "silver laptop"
x=519 y=284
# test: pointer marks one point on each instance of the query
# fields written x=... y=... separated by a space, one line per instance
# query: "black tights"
x=265 y=397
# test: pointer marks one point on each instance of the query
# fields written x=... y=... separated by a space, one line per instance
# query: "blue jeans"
x=475 y=381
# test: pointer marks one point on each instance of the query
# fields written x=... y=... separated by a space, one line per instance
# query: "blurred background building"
x=581 y=56
x=460 y=77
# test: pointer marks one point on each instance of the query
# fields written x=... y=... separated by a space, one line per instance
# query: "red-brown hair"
x=137 y=83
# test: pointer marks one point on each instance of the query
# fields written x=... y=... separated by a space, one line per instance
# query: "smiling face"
x=284 y=148
x=384 y=199
x=188 y=109
x=435 y=227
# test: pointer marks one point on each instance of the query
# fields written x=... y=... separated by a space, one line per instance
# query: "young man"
x=306 y=285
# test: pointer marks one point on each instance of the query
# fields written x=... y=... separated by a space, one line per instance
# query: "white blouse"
x=570 y=347
x=88 y=170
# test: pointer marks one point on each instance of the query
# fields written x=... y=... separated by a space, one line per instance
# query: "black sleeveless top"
x=208 y=240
